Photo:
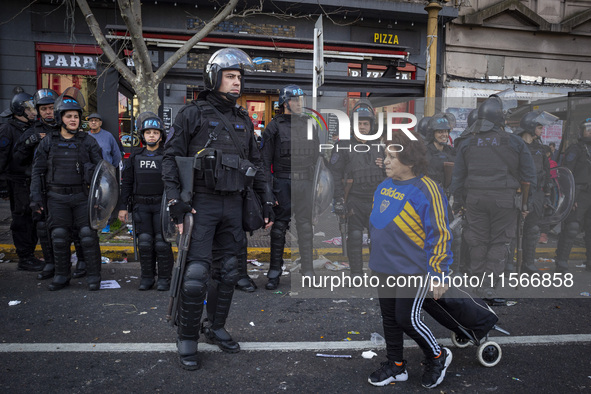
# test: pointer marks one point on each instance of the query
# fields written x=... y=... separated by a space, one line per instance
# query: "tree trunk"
x=147 y=94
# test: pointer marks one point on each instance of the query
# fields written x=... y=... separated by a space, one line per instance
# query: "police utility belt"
x=148 y=200
x=68 y=189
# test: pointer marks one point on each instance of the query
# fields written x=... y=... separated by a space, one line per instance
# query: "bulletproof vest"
x=365 y=173
x=582 y=173
x=282 y=153
x=304 y=152
x=538 y=155
x=436 y=160
x=229 y=162
x=488 y=160
x=148 y=173
x=65 y=164
x=16 y=170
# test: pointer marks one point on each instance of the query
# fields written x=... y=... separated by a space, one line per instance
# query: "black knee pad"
x=279 y=229
x=229 y=273
x=145 y=241
x=195 y=280
x=572 y=229
x=41 y=227
x=60 y=238
x=356 y=237
x=88 y=237
x=160 y=244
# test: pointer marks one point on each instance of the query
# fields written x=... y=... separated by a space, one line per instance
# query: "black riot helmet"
x=45 y=97
x=441 y=121
x=22 y=104
x=149 y=120
x=491 y=113
x=364 y=110
x=291 y=92
x=70 y=100
x=226 y=59
x=533 y=119
x=472 y=117
x=423 y=126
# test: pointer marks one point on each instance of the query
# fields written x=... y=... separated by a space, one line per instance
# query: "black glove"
x=178 y=210
x=339 y=207
x=35 y=206
x=457 y=206
x=268 y=212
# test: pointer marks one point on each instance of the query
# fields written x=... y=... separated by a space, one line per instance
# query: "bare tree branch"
x=182 y=51
x=131 y=13
x=102 y=41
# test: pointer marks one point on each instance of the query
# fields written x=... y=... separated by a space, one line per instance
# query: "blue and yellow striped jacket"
x=409 y=228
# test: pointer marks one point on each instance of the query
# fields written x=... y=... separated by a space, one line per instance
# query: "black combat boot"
x=80 y=271
x=245 y=283
x=219 y=300
x=355 y=252
x=277 y=246
x=30 y=263
x=92 y=255
x=45 y=241
x=147 y=261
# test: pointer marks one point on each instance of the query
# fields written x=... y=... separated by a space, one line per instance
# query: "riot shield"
x=103 y=195
x=323 y=190
x=169 y=230
x=562 y=197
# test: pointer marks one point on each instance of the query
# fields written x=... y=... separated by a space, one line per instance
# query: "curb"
x=118 y=252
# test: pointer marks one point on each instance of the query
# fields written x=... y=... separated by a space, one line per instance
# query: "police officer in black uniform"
x=200 y=131
x=489 y=166
x=531 y=131
x=438 y=149
x=276 y=154
x=357 y=175
x=577 y=158
x=67 y=159
x=21 y=116
x=141 y=190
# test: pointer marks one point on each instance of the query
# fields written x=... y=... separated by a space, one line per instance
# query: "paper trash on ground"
x=110 y=284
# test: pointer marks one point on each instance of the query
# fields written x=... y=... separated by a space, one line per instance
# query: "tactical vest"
x=228 y=164
x=304 y=152
x=65 y=164
x=538 y=155
x=282 y=148
x=488 y=158
x=148 y=173
x=436 y=160
x=365 y=173
x=582 y=173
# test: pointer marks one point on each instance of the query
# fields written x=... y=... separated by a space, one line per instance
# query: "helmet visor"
x=546 y=118
x=67 y=96
x=508 y=99
x=232 y=59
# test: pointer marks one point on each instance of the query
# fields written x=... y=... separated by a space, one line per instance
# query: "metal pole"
x=430 y=78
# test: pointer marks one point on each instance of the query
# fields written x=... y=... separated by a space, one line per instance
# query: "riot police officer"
x=532 y=125
x=219 y=135
x=141 y=189
x=276 y=154
x=21 y=116
x=67 y=160
x=44 y=100
x=577 y=158
x=423 y=126
x=357 y=175
x=489 y=166
x=438 y=149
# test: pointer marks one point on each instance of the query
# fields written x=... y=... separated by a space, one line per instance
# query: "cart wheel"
x=489 y=354
x=459 y=342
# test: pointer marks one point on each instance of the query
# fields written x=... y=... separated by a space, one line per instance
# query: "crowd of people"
x=404 y=198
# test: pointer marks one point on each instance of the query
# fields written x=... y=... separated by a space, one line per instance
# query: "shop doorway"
x=261 y=109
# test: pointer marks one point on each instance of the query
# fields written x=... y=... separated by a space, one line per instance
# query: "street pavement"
x=118 y=340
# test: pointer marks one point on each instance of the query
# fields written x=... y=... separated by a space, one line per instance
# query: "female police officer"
x=67 y=161
x=142 y=189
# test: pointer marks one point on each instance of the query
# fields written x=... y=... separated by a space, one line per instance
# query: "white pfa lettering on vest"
x=148 y=164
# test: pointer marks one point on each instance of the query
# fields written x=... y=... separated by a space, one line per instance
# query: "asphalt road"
x=117 y=340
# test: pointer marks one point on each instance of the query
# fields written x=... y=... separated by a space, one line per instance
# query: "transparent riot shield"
x=103 y=195
x=562 y=197
x=323 y=190
x=169 y=230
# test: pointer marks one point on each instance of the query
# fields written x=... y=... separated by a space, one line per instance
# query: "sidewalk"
x=119 y=245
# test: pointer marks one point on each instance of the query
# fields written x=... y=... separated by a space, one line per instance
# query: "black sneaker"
x=388 y=373
x=435 y=369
